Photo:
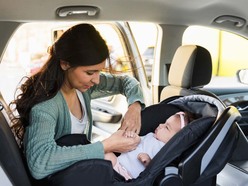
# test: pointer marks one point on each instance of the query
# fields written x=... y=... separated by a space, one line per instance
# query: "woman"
x=56 y=102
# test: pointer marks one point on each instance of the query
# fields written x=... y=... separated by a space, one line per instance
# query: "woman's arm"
x=132 y=119
x=43 y=155
x=111 y=85
x=128 y=86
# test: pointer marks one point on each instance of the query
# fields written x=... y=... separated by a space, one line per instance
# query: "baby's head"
x=165 y=131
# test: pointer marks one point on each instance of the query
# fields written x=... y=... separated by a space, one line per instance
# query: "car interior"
x=225 y=127
x=196 y=48
x=199 y=147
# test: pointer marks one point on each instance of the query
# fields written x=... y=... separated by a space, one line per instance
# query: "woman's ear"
x=64 y=65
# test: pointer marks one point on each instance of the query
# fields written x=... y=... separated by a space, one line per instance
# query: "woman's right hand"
x=120 y=142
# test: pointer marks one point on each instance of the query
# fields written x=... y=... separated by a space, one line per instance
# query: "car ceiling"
x=176 y=12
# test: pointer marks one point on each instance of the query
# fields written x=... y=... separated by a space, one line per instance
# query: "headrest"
x=191 y=67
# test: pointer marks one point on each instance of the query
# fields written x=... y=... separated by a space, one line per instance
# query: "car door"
x=26 y=52
x=108 y=112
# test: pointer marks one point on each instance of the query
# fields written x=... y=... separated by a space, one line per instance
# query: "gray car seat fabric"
x=10 y=155
x=190 y=68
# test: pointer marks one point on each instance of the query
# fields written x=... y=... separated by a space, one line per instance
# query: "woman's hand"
x=144 y=158
x=120 y=142
x=132 y=119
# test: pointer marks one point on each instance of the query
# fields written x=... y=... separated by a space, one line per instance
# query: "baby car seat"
x=194 y=156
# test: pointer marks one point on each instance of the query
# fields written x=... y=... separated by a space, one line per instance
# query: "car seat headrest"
x=191 y=67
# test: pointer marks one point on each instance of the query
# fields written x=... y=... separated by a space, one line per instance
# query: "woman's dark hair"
x=81 y=45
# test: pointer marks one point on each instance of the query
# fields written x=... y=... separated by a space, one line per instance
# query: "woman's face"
x=83 y=77
x=164 y=132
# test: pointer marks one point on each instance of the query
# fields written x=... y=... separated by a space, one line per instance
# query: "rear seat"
x=10 y=155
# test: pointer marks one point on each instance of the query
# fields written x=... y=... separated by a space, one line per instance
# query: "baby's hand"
x=130 y=134
x=117 y=142
x=144 y=158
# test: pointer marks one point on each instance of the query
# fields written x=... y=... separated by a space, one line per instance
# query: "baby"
x=131 y=163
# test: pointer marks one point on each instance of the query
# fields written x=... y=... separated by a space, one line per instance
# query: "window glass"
x=25 y=54
x=229 y=54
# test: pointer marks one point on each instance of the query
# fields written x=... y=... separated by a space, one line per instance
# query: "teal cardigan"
x=50 y=120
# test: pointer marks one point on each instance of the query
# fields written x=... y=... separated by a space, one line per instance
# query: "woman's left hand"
x=132 y=119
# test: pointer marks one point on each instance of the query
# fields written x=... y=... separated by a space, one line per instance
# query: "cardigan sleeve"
x=43 y=155
x=125 y=85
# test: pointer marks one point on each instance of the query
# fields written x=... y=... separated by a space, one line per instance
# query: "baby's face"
x=165 y=131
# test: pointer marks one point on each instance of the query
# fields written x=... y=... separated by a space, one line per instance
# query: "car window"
x=24 y=54
x=229 y=54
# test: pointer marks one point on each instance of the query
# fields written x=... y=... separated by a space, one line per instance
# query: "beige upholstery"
x=191 y=68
